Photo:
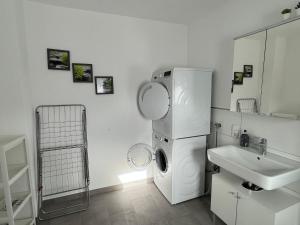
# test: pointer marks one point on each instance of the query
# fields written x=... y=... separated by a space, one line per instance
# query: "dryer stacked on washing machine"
x=178 y=101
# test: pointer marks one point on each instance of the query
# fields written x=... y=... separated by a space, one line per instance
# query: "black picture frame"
x=58 y=59
x=102 y=83
x=248 y=71
x=82 y=73
x=238 y=78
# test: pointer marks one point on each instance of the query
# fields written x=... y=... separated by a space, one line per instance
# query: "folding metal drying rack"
x=63 y=173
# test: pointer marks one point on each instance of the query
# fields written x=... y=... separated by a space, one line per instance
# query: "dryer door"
x=153 y=101
x=139 y=156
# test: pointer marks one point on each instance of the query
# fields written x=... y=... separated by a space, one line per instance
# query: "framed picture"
x=58 y=59
x=82 y=73
x=104 y=85
x=238 y=78
x=248 y=71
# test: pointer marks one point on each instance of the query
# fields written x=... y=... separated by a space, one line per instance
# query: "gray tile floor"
x=139 y=205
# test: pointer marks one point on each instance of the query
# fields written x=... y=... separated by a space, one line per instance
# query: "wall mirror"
x=266 y=72
x=248 y=66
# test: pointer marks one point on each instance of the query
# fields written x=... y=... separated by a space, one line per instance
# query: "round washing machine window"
x=161 y=160
x=139 y=156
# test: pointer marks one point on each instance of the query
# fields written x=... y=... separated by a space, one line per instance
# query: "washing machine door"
x=153 y=100
x=140 y=156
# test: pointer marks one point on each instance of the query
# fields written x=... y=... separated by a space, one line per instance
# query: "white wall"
x=210 y=43
x=127 y=48
x=13 y=90
x=15 y=104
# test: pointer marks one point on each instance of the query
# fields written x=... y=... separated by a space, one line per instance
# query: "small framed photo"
x=238 y=78
x=58 y=59
x=248 y=71
x=104 y=85
x=82 y=73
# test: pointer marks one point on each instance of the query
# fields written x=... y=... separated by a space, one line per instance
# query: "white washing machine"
x=178 y=165
x=178 y=101
x=179 y=171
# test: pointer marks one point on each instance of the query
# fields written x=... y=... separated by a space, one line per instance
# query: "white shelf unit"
x=16 y=184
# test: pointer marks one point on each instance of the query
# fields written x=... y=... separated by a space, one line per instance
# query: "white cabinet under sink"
x=235 y=205
x=249 y=212
x=223 y=200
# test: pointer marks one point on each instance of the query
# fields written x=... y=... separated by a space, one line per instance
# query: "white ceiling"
x=176 y=11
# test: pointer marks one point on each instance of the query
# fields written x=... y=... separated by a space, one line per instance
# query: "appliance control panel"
x=160 y=138
x=164 y=75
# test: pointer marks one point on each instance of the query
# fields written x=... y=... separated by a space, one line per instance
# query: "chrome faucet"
x=263 y=146
x=259 y=144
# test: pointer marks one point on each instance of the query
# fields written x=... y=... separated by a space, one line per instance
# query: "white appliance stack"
x=178 y=101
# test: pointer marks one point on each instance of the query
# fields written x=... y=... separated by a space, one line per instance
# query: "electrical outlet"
x=235 y=131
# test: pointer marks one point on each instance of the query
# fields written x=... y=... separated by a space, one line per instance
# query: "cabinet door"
x=251 y=213
x=223 y=200
x=280 y=90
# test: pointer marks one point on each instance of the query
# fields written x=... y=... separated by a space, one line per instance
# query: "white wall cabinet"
x=235 y=205
x=272 y=88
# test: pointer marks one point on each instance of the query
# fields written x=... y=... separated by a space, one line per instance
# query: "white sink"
x=269 y=171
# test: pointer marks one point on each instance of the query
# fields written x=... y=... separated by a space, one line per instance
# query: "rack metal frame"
x=62 y=160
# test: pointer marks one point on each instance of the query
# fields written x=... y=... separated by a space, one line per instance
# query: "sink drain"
x=251 y=187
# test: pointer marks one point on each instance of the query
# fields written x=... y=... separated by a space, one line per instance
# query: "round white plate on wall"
x=153 y=101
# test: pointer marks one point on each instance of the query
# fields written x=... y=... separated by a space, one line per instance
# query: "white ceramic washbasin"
x=269 y=171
